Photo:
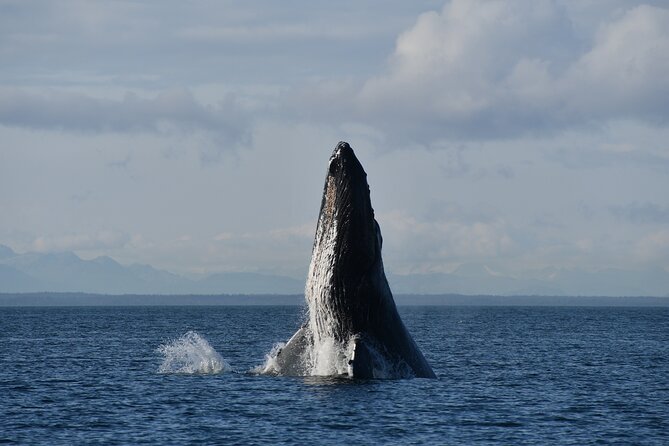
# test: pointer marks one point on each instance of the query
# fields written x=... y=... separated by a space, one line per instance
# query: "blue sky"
x=195 y=136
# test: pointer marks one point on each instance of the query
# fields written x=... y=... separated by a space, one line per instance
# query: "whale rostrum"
x=353 y=327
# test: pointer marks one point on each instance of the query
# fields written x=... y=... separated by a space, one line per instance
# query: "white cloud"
x=281 y=251
x=415 y=245
x=81 y=242
x=300 y=232
x=224 y=236
x=169 y=110
x=626 y=73
x=654 y=248
x=483 y=69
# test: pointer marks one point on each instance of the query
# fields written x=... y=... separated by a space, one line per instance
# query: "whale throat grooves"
x=352 y=326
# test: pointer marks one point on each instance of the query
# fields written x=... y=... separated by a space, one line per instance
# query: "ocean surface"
x=185 y=375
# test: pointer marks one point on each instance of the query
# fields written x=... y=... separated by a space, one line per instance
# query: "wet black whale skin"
x=358 y=293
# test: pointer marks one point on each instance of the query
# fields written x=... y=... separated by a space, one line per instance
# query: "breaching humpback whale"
x=353 y=327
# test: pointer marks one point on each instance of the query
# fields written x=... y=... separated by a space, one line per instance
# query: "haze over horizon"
x=515 y=135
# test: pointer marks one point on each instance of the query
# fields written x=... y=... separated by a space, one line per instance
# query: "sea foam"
x=191 y=354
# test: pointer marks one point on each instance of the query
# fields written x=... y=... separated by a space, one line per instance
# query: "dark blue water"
x=506 y=376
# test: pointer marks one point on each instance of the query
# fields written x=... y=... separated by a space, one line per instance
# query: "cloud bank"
x=489 y=69
x=518 y=134
x=173 y=110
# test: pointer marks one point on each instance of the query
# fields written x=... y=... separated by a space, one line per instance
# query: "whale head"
x=347 y=205
x=347 y=248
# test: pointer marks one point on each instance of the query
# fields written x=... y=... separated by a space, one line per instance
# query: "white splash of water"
x=191 y=354
x=329 y=357
x=271 y=365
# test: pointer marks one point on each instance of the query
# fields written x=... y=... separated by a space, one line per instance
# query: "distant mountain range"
x=473 y=279
x=66 y=272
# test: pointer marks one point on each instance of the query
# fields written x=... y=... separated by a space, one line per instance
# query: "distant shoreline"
x=87 y=299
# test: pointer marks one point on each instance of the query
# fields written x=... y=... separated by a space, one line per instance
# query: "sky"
x=195 y=136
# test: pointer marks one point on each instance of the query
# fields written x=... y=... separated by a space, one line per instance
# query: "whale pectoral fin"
x=291 y=359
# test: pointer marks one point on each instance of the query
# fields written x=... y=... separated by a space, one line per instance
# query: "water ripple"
x=506 y=376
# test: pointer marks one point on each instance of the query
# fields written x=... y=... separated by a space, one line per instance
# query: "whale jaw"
x=346 y=248
x=353 y=327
